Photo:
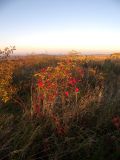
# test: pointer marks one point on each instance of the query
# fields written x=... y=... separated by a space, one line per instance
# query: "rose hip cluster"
x=116 y=121
x=51 y=82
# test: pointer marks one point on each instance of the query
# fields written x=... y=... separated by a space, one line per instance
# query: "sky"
x=58 y=26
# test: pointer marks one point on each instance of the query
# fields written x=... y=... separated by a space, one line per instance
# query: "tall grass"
x=90 y=126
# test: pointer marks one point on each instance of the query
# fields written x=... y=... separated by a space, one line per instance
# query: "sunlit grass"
x=82 y=121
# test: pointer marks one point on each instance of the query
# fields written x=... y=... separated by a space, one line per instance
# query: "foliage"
x=61 y=81
x=6 y=72
x=4 y=54
x=88 y=128
x=56 y=86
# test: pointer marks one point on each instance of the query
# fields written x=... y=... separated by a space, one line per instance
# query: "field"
x=60 y=108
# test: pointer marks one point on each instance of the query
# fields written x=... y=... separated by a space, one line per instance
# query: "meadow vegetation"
x=60 y=108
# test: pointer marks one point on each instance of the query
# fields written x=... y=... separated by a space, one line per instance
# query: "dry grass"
x=90 y=133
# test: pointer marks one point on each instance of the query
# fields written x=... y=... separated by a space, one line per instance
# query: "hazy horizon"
x=63 y=52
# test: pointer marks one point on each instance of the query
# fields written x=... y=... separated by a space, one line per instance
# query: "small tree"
x=4 y=54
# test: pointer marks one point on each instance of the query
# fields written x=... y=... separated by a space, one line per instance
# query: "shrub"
x=55 y=86
x=6 y=72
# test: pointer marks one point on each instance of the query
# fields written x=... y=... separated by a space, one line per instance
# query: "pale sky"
x=60 y=25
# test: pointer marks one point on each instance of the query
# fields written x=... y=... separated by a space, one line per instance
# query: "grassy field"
x=80 y=122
